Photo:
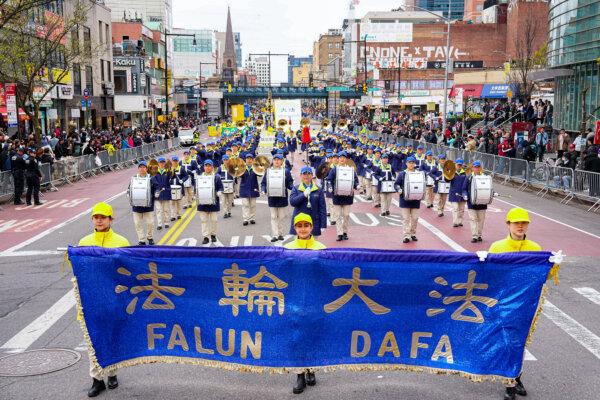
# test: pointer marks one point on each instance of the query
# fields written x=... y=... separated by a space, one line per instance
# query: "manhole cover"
x=37 y=362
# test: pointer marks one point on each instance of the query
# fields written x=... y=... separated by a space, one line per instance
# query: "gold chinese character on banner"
x=238 y=292
x=468 y=300
x=156 y=300
x=354 y=290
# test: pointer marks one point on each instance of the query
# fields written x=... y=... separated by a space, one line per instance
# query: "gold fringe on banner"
x=553 y=274
x=538 y=312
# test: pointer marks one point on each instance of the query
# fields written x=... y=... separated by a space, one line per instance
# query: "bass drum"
x=414 y=185
x=276 y=182
x=344 y=181
x=388 y=187
x=140 y=192
x=228 y=186
x=443 y=187
x=176 y=192
x=205 y=190
x=482 y=190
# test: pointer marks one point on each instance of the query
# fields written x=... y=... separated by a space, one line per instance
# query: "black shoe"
x=279 y=237
x=406 y=240
x=245 y=223
x=460 y=224
x=97 y=387
x=205 y=241
x=179 y=217
x=159 y=228
x=369 y=198
x=185 y=207
x=225 y=215
x=339 y=238
x=252 y=222
x=510 y=393
x=430 y=206
x=228 y=215
x=150 y=242
x=414 y=238
x=166 y=226
x=441 y=215
x=112 y=382
x=213 y=238
x=274 y=239
x=28 y=204
x=387 y=213
x=383 y=214
x=474 y=240
x=172 y=219
x=377 y=205
x=333 y=222
x=345 y=236
x=455 y=225
x=310 y=379
x=141 y=243
x=300 y=384
x=329 y=214
x=479 y=239
x=520 y=388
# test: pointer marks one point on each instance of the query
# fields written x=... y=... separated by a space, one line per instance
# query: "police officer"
x=476 y=211
x=18 y=167
x=278 y=205
x=143 y=217
x=304 y=240
x=103 y=236
x=458 y=195
x=408 y=208
x=517 y=221
x=33 y=176
x=208 y=213
x=249 y=191
x=308 y=198
x=341 y=204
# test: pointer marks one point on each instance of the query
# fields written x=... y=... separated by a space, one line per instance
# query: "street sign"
x=83 y=104
x=338 y=89
x=86 y=93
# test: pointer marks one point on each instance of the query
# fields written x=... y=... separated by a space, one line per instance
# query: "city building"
x=245 y=78
x=573 y=56
x=329 y=47
x=143 y=10
x=473 y=11
x=301 y=75
x=259 y=67
x=294 y=61
x=457 y=7
x=228 y=59
x=189 y=60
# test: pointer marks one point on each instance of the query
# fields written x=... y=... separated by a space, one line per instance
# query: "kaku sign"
x=399 y=32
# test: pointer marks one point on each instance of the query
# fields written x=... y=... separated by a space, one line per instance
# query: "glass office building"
x=574 y=44
x=457 y=7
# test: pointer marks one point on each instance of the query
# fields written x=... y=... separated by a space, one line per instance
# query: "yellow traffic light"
x=365 y=88
x=229 y=89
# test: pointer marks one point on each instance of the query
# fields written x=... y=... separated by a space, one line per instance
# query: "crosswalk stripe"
x=529 y=356
x=580 y=333
x=589 y=293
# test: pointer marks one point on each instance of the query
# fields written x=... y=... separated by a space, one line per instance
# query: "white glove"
x=156 y=195
x=307 y=193
x=400 y=191
x=465 y=198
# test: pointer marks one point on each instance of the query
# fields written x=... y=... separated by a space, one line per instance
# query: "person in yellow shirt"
x=517 y=220
x=304 y=240
x=103 y=236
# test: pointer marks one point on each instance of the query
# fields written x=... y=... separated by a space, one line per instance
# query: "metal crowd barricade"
x=560 y=180
x=6 y=185
x=518 y=171
x=586 y=185
x=539 y=175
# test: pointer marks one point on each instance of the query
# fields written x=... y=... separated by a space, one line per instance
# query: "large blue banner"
x=271 y=309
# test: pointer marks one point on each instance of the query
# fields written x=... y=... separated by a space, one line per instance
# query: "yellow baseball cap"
x=302 y=217
x=517 y=214
x=102 y=209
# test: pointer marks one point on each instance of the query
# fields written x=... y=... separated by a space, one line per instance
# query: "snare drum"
x=443 y=187
x=276 y=182
x=344 y=181
x=205 y=190
x=482 y=191
x=430 y=181
x=414 y=185
x=176 y=192
x=140 y=194
x=228 y=186
x=387 y=187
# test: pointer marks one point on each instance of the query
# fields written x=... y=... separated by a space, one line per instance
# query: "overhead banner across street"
x=275 y=310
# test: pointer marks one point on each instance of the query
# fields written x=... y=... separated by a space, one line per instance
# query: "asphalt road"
x=36 y=312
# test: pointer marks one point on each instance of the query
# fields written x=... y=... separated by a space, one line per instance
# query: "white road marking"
x=589 y=293
x=234 y=241
x=580 y=333
x=551 y=219
x=31 y=253
x=248 y=240
x=58 y=226
x=374 y=220
x=190 y=242
x=32 y=332
x=529 y=356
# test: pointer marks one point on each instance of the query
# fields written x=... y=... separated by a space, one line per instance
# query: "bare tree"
x=10 y=9
x=37 y=52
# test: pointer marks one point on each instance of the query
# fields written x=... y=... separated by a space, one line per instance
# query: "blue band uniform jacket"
x=317 y=210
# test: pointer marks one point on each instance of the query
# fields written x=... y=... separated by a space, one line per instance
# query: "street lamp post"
x=167 y=34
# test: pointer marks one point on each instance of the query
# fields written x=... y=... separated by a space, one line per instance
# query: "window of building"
x=100 y=32
x=102 y=70
x=479 y=7
x=337 y=45
x=330 y=56
x=75 y=39
x=89 y=79
x=108 y=71
x=87 y=41
x=77 y=79
x=107 y=33
x=331 y=45
x=120 y=81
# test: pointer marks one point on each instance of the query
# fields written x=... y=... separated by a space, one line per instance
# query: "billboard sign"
x=399 y=32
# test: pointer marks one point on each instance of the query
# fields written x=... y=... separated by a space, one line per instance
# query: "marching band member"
x=162 y=193
x=227 y=197
x=178 y=176
x=249 y=191
x=368 y=164
x=458 y=196
x=517 y=221
x=305 y=240
x=308 y=198
x=208 y=213
x=143 y=217
x=384 y=173
x=332 y=159
x=375 y=164
x=437 y=173
x=476 y=211
x=341 y=203
x=427 y=166
x=103 y=236
x=277 y=205
x=419 y=156
x=190 y=166
x=408 y=208
x=292 y=145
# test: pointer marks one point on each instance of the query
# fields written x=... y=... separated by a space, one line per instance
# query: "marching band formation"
x=337 y=165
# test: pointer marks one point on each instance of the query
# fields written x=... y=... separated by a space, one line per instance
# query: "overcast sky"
x=281 y=26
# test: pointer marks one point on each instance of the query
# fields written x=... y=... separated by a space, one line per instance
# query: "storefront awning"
x=498 y=91
x=473 y=91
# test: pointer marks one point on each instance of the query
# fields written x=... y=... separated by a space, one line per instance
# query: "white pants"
x=176 y=208
x=477 y=218
x=209 y=223
x=386 y=200
x=188 y=195
x=410 y=218
x=376 y=198
x=363 y=183
x=163 y=210
x=458 y=210
x=96 y=374
x=277 y=216
x=441 y=202
x=236 y=187
x=331 y=209
x=429 y=195
x=227 y=200
x=249 y=209
x=291 y=157
x=368 y=187
x=343 y=219
x=144 y=225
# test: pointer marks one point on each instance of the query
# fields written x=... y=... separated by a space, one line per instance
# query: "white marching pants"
x=410 y=218
x=249 y=209
x=209 y=223
x=343 y=219
x=163 y=211
x=144 y=225
x=278 y=214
